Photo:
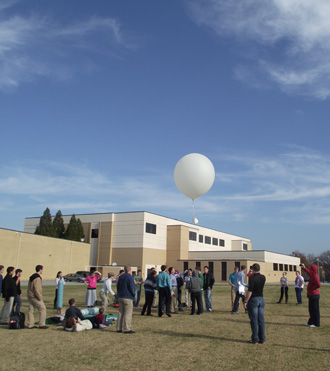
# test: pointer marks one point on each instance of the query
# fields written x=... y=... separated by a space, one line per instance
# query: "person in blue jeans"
x=299 y=286
x=255 y=304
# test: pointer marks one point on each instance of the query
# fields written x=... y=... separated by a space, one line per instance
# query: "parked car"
x=79 y=276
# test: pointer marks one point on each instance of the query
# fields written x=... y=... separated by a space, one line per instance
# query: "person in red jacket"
x=313 y=294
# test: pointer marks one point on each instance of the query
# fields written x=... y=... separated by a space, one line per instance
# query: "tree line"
x=322 y=260
x=55 y=227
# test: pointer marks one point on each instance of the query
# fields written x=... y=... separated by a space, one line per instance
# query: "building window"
x=275 y=267
x=192 y=236
x=281 y=267
x=295 y=268
x=211 y=266
x=198 y=265
x=222 y=243
x=151 y=228
x=208 y=240
x=286 y=268
x=185 y=266
x=238 y=265
x=290 y=268
x=223 y=271
x=215 y=241
x=201 y=238
x=95 y=233
x=245 y=246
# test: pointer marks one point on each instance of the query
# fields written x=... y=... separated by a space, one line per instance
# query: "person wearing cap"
x=255 y=304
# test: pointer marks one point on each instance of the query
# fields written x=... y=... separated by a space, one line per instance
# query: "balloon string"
x=193 y=208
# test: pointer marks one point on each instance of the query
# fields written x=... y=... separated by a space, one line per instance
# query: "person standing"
x=59 y=277
x=195 y=287
x=255 y=305
x=138 y=280
x=34 y=295
x=126 y=294
x=149 y=290
x=173 y=278
x=284 y=288
x=106 y=290
x=207 y=288
x=18 y=300
x=299 y=286
x=232 y=282
x=239 y=288
x=198 y=269
x=313 y=294
x=2 y=268
x=164 y=288
x=187 y=278
x=9 y=292
x=91 y=282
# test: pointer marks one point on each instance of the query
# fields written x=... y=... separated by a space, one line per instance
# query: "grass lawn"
x=213 y=341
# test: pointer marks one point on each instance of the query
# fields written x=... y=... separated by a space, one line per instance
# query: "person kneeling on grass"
x=77 y=325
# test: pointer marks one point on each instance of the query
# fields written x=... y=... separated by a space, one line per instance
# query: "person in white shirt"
x=106 y=290
x=299 y=286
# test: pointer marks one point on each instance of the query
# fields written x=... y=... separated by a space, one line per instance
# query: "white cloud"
x=293 y=38
x=293 y=186
x=34 y=46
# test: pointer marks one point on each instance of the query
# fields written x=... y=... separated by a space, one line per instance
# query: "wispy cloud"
x=288 y=42
x=33 y=46
x=293 y=186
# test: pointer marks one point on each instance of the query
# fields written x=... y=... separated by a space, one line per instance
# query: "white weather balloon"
x=194 y=175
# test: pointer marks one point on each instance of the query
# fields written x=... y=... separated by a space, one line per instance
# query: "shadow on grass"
x=204 y=336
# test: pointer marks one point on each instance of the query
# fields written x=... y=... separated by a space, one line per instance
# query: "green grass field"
x=213 y=341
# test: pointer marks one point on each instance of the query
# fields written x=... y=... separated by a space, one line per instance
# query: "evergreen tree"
x=74 y=231
x=45 y=227
x=58 y=224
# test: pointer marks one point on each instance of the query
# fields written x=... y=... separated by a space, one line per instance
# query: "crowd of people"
x=168 y=285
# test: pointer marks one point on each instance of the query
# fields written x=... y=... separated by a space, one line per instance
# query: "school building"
x=145 y=240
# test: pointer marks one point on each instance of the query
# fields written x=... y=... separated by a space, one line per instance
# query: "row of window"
x=208 y=240
x=198 y=265
x=284 y=267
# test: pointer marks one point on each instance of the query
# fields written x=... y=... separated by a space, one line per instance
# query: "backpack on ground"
x=17 y=321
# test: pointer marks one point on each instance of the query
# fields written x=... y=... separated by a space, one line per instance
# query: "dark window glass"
x=198 y=264
x=245 y=246
x=222 y=243
x=95 y=233
x=201 y=238
x=290 y=268
x=275 y=267
x=211 y=267
x=185 y=266
x=151 y=228
x=295 y=268
x=281 y=267
x=286 y=267
x=208 y=240
x=223 y=271
x=215 y=241
x=192 y=236
x=238 y=264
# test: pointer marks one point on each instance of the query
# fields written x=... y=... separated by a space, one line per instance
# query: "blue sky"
x=100 y=99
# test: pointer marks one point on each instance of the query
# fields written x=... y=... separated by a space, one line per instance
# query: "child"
x=102 y=318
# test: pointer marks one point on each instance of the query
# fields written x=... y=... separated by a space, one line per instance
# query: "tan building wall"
x=132 y=256
x=25 y=251
x=177 y=244
x=104 y=248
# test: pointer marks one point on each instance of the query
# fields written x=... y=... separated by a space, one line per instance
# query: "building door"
x=223 y=271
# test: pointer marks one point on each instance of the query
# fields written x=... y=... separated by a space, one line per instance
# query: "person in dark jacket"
x=9 y=292
x=313 y=294
x=126 y=294
x=207 y=288
x=18 y=300
x=149 y=290
x=195 y=286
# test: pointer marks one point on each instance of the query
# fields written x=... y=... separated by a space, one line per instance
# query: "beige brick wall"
x=25 y=251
